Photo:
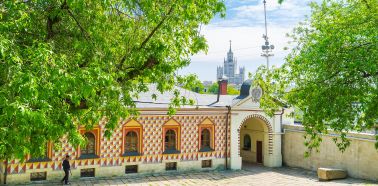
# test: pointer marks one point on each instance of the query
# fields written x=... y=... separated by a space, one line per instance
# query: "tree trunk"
x=5 y=171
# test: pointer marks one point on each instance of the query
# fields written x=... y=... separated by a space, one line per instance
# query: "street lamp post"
x=266 y=48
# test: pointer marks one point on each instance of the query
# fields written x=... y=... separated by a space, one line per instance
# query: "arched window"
x=45 y=157
x=170 y=140
x=90 y=148
x=206 y=134
x=205 y=139
x=247 y=142
x=131 y=142
x=132 y=138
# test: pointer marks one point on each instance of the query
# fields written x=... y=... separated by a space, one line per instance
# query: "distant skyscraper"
x=229 y=68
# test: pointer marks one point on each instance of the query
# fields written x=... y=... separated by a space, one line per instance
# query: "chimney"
x=222 y=88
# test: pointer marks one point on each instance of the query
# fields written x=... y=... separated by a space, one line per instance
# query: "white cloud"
x=245 y=26
x=246 y=45
x=246 y=42
x=251 y=13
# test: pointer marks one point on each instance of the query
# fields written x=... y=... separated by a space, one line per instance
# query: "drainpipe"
x=282 y=136
x=228 y=115
x=219 y=89
x=282 y=111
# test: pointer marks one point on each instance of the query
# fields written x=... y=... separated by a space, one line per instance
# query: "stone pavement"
x=250 y=175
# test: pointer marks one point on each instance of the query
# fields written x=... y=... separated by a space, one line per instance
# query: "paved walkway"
x=250 y=175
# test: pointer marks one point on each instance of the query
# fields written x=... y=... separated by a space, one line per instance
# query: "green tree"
x=232 y=91
x=332 y=73
x=213 y=88
x=66 y=63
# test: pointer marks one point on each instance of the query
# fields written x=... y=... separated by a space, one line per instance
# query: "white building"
x=215 y=133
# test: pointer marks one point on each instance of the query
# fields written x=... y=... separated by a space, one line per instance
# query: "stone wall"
x=360 y=159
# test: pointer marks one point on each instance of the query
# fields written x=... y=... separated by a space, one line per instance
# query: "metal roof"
x=145 y=99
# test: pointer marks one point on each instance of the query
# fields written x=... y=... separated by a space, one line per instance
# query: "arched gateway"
x=253 y=125
x=255 y=137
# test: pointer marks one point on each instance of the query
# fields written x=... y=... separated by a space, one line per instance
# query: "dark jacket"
x=66 y=165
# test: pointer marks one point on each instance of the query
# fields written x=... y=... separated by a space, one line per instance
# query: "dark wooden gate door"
x=259 y=155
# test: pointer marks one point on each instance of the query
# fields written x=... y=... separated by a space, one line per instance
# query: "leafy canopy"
x=66 y=63
x=332 y=73
x=214 y=88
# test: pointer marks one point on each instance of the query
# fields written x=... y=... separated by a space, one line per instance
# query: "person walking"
x=67 y=169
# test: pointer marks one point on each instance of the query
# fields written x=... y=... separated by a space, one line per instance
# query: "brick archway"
x=268 y=125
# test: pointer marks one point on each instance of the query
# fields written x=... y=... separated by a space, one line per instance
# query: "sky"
x=244 y=26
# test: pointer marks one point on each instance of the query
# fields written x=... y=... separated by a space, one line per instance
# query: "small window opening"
x=87 y=173
x=171 y=166
x=206 y=163
x=247 y=142
x=38 y=176
x=131 y=169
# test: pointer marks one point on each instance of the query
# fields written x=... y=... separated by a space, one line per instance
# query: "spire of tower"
x=230 y=45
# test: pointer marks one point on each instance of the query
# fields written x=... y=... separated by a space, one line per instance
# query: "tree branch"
x=150 y=35
x=122 y=13
x=55 y=19
x=156 y=28
x=82 y=105
x=83 y=31
x=49 y=24
x=49 y=28
x=151 y=62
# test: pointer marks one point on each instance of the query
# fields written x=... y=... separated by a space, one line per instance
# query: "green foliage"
x=67 y=63
x=232 y=91
x=213 y=88
x=298 y=115
x=332 y=73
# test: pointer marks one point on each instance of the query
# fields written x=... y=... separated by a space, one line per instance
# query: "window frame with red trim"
x=96 y=133
x=211 y=128
x=176 y=127
x=132 y=126
x=46 y=158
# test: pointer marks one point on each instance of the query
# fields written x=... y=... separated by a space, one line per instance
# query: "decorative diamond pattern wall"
x=110 y=149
